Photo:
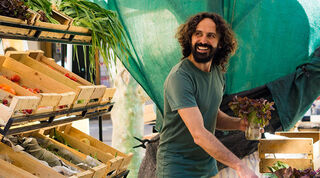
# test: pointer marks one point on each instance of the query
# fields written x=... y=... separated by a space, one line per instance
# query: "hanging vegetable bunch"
x=42 y=7
x=255 y=110
x=15 y=9
x=107 y=32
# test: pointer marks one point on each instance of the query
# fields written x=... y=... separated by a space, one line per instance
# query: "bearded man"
x=193 y=93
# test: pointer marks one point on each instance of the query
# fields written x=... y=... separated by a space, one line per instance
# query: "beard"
x=203 y=57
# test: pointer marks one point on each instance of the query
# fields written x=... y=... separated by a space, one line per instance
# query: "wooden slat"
x=43 y=68
x=306 y=134
x=295 y=163
x=99 y=91
x=112 y=162
x=28 y=163
x=108 y=95
x=35 y=79
x=78 y=135
x=61 y=69
x=9 y=170
x=293 y=145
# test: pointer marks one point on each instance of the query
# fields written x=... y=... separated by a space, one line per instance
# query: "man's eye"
x=211 y=36
x=197 y=33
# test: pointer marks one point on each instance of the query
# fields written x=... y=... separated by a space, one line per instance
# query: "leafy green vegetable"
x=255 y=110
x=43 y=7
x=280 y=169
x=15 y=9
x=106 y=30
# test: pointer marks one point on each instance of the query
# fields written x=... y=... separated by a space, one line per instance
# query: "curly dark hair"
x=227 y=44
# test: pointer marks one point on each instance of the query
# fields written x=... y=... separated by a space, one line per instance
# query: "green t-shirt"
x=187 y=86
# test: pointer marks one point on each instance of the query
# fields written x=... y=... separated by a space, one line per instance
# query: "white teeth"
x=202 y=48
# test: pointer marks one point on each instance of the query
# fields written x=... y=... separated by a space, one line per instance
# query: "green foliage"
x=280 y=169
x=255 y=110
x=43 y=7
x=106 y=30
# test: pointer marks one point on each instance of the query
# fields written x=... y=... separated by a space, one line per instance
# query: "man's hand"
x=245 y=172
x=243 y=124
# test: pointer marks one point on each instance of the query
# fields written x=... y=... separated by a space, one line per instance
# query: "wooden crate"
x=95 y=172
x=15 y=30
x=54 y=94
x=64 y=21
x=298 y=152
x=23 y=100
x=93 y=93
x=116 y=161
x=9 y=170
x=27 y=163
x=80 y=30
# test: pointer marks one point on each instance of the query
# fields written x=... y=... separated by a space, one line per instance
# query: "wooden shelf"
x=36 y=35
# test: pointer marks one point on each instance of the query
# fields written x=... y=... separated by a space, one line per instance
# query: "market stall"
x=40 y=100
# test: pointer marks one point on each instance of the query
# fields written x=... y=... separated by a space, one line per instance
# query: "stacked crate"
x=55 y=96
x=301 y=150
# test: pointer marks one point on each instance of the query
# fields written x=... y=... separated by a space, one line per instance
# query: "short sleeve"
x=179 y=91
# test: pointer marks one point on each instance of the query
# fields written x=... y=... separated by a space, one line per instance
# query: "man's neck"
x=205 y=67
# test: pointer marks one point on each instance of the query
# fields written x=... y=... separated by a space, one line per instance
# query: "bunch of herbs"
x=107 y=32
x=255 y=110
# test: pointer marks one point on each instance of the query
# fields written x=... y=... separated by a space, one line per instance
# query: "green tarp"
x=274 y=38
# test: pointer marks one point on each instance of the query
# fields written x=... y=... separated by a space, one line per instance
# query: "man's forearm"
x=218 y=151
x=226 y=122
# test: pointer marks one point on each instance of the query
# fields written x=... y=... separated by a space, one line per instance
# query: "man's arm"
x=226 y=122
x=206 y=140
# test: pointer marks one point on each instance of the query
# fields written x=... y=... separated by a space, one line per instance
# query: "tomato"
x=15 y=78
x=37 y=90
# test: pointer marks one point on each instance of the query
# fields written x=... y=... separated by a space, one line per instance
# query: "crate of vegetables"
x=15 y=100
x=93 y=93
x=43 y=158
x=53 y=95
x=79 y=160
x=15 y=11
x=116 y=161
x=23 y=163
x=62 y=23
x=297 y=152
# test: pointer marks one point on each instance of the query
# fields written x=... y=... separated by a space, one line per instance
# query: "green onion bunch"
x=106 y=30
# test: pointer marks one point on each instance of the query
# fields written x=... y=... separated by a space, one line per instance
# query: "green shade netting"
x=274 y=38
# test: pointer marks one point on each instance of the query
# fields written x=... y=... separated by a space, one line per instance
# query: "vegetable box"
x=300 y=151
x=53 y=95
x=15 y=104
x=116 y=161
x=24 y=164
x=64 y=21
x=93 y=93
x=16 y=30
x=96 y=172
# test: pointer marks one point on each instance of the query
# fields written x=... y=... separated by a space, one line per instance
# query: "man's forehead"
x=206 y=25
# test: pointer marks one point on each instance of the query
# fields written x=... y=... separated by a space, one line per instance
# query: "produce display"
x=31 y=146
x=106 y=30
x=280 y=169
x=257 y=111
x=42 y=7
x=15 y=9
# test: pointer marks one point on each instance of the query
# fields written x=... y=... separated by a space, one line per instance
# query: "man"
x=192 y=95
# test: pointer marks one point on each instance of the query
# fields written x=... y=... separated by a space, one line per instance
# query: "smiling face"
x=204 y=41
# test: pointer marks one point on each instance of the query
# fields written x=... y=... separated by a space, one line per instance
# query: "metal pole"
x=100 y=128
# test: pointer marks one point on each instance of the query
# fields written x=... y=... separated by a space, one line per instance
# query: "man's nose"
x=203 y=39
